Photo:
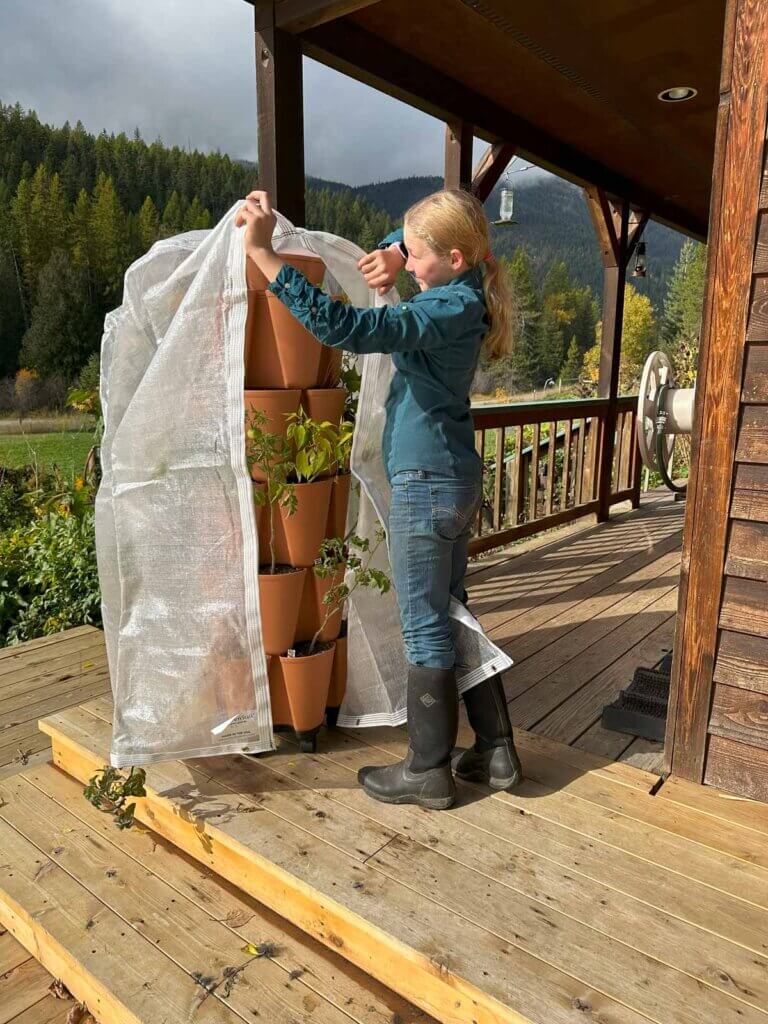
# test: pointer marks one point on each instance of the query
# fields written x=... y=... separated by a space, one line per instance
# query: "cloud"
x=183 y=70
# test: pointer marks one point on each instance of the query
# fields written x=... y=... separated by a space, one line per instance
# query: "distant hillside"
x=553 y=224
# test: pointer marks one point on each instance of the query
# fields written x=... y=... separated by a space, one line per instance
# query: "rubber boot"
x=493 y=758
x=424 y=777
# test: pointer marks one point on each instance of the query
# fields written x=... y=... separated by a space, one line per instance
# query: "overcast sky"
x=183 y=70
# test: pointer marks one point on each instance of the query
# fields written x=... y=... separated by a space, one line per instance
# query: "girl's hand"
x=256 y=213
x=380 y=268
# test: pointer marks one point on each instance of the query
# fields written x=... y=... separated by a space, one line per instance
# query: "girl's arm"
x=430 y=320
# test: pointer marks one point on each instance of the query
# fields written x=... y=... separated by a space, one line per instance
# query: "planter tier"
x=298 y=537
x=280 y=600
x=338 y=685
x=337 y=509
x=298 y=689
x=276 y=404
x=279 y=351
x=312 y=267
x=329 y=370
x=312 y=611
x=324 y=403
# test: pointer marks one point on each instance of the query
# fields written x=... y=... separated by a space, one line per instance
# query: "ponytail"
x=501 y=307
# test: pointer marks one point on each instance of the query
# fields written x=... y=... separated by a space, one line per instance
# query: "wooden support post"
x=618 y=230
x=279 y=99
x=733 y=318
x=458 y=154
x=490 y=167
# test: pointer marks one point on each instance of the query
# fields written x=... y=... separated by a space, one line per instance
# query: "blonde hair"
x=455 y=219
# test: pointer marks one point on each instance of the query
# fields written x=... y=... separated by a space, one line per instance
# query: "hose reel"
x=664 y=411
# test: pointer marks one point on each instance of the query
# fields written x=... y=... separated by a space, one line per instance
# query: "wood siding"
x=737 y=749
x=718 y=724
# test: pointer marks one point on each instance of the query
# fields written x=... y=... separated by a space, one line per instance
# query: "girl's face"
x=430 y=269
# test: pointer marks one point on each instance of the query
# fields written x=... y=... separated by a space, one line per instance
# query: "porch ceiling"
x=575 y=85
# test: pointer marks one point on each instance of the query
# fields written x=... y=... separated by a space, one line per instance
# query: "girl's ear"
x=457 y=260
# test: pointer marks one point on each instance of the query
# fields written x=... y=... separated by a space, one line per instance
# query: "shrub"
x=48 y=575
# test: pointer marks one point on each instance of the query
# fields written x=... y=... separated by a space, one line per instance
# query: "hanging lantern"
x=639 y=268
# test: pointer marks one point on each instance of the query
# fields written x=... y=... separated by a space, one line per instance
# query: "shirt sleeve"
x=424 y=322
x=394 y=238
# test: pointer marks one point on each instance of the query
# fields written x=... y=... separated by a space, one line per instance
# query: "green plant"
x=351 y=380
x=335 y=554
x=108 y=791
x=273 y=455
x=314 y=445
x=48 y=575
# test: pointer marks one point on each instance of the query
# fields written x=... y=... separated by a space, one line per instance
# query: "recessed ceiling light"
x=678 y=94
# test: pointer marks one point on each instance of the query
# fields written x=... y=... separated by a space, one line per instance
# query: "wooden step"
x=140 y=932
x=468 y=913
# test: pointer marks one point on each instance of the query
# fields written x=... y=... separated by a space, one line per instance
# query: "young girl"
x=429 y=455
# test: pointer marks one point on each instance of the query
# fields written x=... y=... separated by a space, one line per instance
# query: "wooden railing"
x=542 y=465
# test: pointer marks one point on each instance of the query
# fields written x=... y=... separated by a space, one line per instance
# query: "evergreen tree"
x=525 y=362
x=65 y=329
x=149 y=225
x=172 y=215
x=108 y=228
x=681 y=325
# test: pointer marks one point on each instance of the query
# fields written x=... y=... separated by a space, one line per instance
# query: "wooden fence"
x=532 y=482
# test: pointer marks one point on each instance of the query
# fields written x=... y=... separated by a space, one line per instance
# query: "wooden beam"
x=490 y=167
x=739 y=153
x=603 y=218
x=458 y=154
x=300 y=15
x=350 y=49
x=280 y=108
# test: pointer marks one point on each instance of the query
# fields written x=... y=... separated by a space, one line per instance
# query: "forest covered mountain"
x=76 y=209
x=552 y=224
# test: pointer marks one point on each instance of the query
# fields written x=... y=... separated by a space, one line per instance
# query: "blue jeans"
x=431 y=520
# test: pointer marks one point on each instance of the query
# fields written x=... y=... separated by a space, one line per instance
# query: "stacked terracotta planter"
x=285 y=368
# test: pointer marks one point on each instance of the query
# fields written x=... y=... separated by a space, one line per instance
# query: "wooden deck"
x=578 y=615
x=578 y=897
x=577 y=611
x=590 y=893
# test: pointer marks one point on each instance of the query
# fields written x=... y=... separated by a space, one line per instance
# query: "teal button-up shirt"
x=434 y=339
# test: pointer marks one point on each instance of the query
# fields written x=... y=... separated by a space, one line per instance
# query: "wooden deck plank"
x=22 y=987
x=584 y=707
x=191 y=938
x=453 y=969
x=645 y=754
x=717 y=853
x=33 y=659
x=740 y=811
x=118 y=974
x=11 y=651
x=503 y=598
x=555 y=689
x=323 y=972
x=551 y=890
x=20 y=683
x=533 y=615
x=539 y=652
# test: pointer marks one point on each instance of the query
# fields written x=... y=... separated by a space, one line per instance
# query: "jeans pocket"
x=454 y=509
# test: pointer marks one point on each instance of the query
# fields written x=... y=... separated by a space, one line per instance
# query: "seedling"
x=336 y=554
x=108 y=791
x=273 y=455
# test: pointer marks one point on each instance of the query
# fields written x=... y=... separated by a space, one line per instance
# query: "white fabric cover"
x=175 y=529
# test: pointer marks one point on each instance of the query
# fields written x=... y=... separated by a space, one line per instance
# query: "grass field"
x=67 y=450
